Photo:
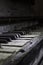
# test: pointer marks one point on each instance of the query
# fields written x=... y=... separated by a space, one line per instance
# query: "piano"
x=21 y=34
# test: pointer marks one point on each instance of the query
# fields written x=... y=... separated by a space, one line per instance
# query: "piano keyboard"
x=11 y=43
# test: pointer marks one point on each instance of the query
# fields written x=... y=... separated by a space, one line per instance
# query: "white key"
x=4 y=55
x=24 y=38
x=7 y=50
x=17 y=43
x=10 y=49
x=20 y=42
x=29 y=36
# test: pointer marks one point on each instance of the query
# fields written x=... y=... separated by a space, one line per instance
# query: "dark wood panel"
x=15 y=8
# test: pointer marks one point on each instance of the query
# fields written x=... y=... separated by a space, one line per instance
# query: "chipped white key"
x=16 y=43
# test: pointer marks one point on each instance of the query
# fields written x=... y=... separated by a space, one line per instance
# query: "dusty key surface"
x=4 y=55
x=7 y=50
x=17 y=43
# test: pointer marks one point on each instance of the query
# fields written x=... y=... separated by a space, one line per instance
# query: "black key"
x=13 y=37
x=3 y=41
x=6 y=38
x=20 y=32
x=17 y=32
x=16 y=35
